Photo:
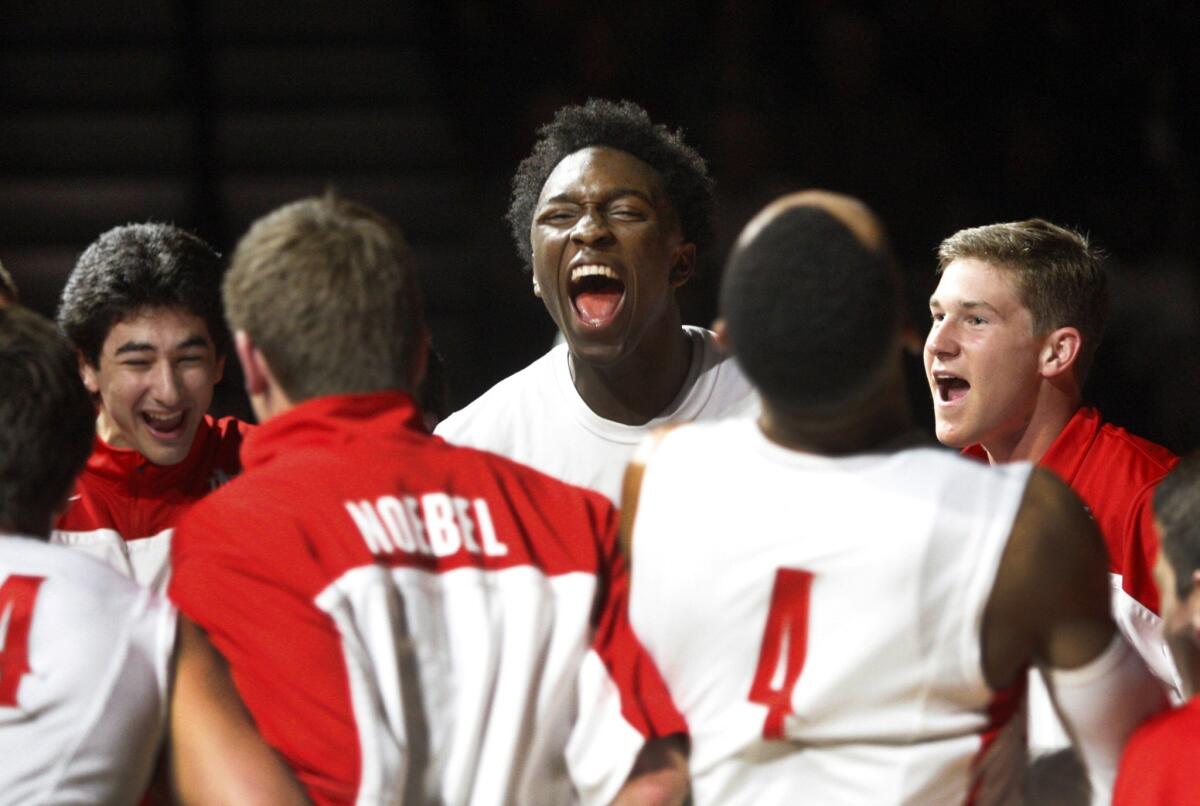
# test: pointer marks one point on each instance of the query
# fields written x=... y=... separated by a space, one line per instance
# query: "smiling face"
x=981 y=358
x=608 y=254
x=155 y=380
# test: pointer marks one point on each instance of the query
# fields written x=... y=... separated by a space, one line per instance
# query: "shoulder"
x=513 y=396
x=1139 y=457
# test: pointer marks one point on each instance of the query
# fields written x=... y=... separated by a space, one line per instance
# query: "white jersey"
x=84 y=657
x=536 y=417
x=817 y=620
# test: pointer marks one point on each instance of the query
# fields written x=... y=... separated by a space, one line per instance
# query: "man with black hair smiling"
x=609 y=213
x=842 y=613
x=142 y=308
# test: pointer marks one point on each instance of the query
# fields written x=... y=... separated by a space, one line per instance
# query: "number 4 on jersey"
x=784 y=644
x=17 y=596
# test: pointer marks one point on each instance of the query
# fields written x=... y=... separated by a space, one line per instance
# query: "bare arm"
x=215 y=753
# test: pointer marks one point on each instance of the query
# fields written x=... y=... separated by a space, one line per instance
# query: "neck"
x=880 y=424
x=639 y=387
x=1055 y=407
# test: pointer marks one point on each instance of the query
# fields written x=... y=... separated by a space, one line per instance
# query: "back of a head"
x=1059 y=275
x=47 y=421
x=137 y=267
x=812 y=312
x=328 y=290
x=1177 y=510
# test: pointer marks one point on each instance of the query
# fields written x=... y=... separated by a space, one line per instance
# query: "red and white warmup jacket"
x=1160 y=762
x=124 y=508
x=410 y=621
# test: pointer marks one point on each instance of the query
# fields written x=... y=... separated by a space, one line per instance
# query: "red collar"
x=1070 y=447
x=119 y=464
x=328 y=419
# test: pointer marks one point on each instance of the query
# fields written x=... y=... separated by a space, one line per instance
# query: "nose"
x=166 y=385
x=591 y=228
x=941 y=341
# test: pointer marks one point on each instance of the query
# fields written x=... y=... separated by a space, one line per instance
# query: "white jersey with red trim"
x=84 y=659
x=817 y=620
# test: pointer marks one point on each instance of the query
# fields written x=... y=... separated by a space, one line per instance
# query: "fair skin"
x=1181 y=622
x=154 y=379
x=995 y=381
x=608 y=254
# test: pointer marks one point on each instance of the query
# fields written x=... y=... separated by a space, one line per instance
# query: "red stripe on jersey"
x=1004 y=704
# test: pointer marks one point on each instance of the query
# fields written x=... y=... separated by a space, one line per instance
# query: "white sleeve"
x=1100 y=704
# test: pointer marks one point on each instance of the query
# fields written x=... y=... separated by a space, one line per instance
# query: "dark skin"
x=601 y=207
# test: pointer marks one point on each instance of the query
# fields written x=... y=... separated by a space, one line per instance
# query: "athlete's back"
x=831 y=645
x=84 y=656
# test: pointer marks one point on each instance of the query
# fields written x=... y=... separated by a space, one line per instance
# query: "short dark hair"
x=1059 y=275
x=47 y=421
x=135 y=268
x=328 y=290
x=1177 y=508
x=811 y=311
x=624 y=126
x=8 y=287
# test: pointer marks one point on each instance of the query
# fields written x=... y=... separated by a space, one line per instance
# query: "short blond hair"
x=1059 y=276
x=328 y=290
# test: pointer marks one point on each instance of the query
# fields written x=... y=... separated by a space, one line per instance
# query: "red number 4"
x=17 y=596
x=784 y=644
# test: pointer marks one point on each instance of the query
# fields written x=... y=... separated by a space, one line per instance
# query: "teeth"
x=579 y=272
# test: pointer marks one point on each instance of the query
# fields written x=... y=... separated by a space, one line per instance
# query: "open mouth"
x=165 y=426
x=951 y=388
x=596 y=294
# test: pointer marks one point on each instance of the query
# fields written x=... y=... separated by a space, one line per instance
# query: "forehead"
x=161 y=328
x=599 y=171
x=969 y=279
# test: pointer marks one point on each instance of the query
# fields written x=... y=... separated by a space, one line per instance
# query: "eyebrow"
x=142 y=346
x=608 y=197
x=968 y=305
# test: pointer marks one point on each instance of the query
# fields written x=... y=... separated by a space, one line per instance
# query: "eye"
x=556 y=217
x=976 y=320
x=136 y=362
x=628 y=214
x=937 y=316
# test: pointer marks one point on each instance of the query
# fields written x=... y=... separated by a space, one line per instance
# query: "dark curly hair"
x=139 y=266
x=625 y=126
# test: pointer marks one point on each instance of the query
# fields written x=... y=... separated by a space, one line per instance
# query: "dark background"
x=940 y=115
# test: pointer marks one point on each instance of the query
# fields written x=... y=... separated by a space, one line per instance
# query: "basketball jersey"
x=84 y=659
x=817 y=620
x=536 y=417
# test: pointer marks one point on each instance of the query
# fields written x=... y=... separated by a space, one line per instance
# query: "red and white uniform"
x=1115 y=473
x=124 y=508
x=414 y=622
x=84 y=659
x=817 y=620
x=1160 y=763
x=536 y=416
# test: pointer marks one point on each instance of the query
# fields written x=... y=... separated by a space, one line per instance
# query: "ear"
x=683 y=264
x=721 y=332
x=91 y=379
x=254 y=366
x=1060 y=350
x=219 y=369
x=1193 y=605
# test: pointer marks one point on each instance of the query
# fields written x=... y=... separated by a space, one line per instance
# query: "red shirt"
x=1114 y=472
x=361 y=572
x=124 y=507
x=1161 y=760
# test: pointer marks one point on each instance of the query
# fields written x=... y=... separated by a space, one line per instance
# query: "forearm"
x=659 y=776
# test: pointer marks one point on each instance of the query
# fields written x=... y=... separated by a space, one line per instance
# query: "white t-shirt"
x=817 y=620
x=536 y=416
x=84 y=660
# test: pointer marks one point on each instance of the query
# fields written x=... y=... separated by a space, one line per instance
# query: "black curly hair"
x=625 y=126
x=131 y=268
